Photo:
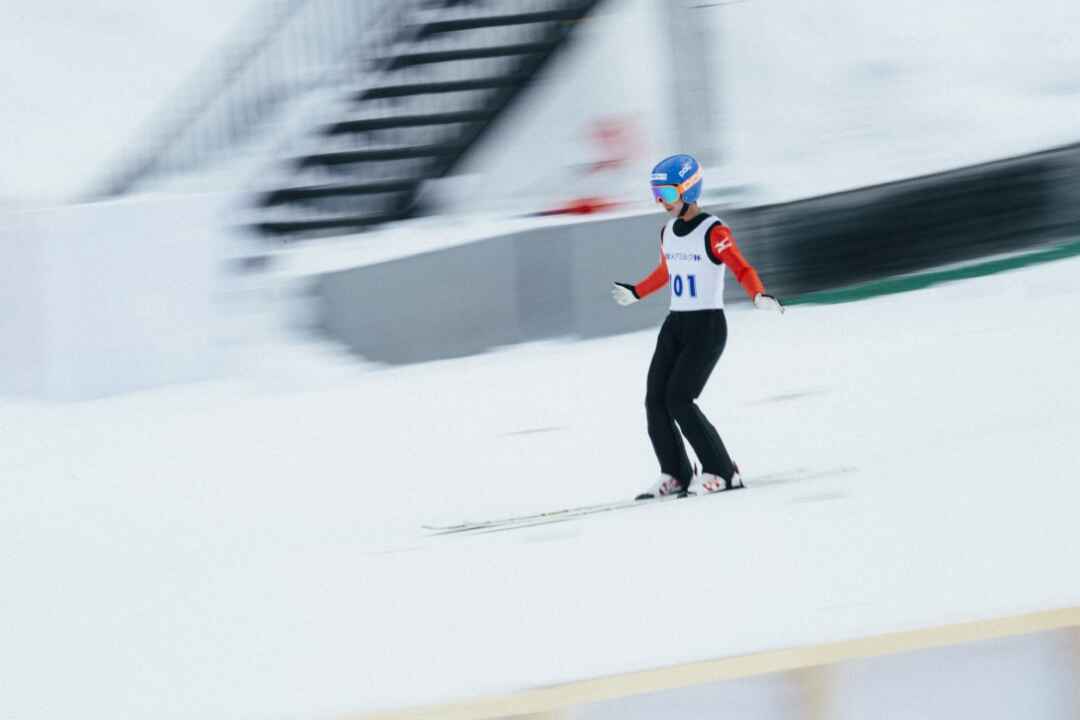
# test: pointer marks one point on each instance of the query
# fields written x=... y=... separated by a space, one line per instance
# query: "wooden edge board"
x=557 y=697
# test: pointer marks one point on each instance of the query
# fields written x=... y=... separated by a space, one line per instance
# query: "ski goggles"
x=671 y=193
x=665 y=193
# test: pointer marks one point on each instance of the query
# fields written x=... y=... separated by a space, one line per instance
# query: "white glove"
x=624 y=294
x=767 y=302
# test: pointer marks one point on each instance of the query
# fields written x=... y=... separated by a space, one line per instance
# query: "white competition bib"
x=696 y=282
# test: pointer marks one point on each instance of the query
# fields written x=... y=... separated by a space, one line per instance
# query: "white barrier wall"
x=110 y=297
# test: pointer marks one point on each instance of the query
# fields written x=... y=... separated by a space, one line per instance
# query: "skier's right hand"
x=624 y=293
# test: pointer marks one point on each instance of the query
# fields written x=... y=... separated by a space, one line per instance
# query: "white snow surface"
x=251 y=548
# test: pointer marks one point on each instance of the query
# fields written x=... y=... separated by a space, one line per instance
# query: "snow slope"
x=251 y=548
x=824 y=97
x=79 y=79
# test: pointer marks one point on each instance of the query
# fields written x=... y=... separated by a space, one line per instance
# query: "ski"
x=553 y=516
x=546 y=516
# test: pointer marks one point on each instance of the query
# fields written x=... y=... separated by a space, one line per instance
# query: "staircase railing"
x=294 y=47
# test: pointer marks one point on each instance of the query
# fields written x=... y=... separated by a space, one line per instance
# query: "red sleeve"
x=722 y=248
x=657 y=279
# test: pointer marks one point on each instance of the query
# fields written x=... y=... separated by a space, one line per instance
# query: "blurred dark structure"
x=912 y=224
x=453 y=68
x=554 y=282
x=426 y=79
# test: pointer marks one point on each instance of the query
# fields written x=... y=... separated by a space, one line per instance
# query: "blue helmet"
x=681 y=172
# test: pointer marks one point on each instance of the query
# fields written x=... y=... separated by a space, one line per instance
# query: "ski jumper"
x=693 y=256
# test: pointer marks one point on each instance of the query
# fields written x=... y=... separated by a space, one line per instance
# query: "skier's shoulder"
x=712 y=222
x=718 y=240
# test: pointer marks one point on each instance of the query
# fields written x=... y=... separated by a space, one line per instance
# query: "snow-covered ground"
x=252 y=547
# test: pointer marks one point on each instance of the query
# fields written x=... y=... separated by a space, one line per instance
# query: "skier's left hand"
x=768 y=302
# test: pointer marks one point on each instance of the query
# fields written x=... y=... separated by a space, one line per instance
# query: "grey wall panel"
x=436 y=305
x=625 y=250
x=533 y=285
x=542 y=268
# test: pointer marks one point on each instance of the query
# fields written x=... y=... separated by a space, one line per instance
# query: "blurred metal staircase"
x=452 y=68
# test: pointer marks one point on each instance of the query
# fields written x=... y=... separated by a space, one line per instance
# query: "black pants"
x=687 y=349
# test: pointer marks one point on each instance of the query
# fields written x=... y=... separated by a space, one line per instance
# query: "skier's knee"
x=678 y=403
